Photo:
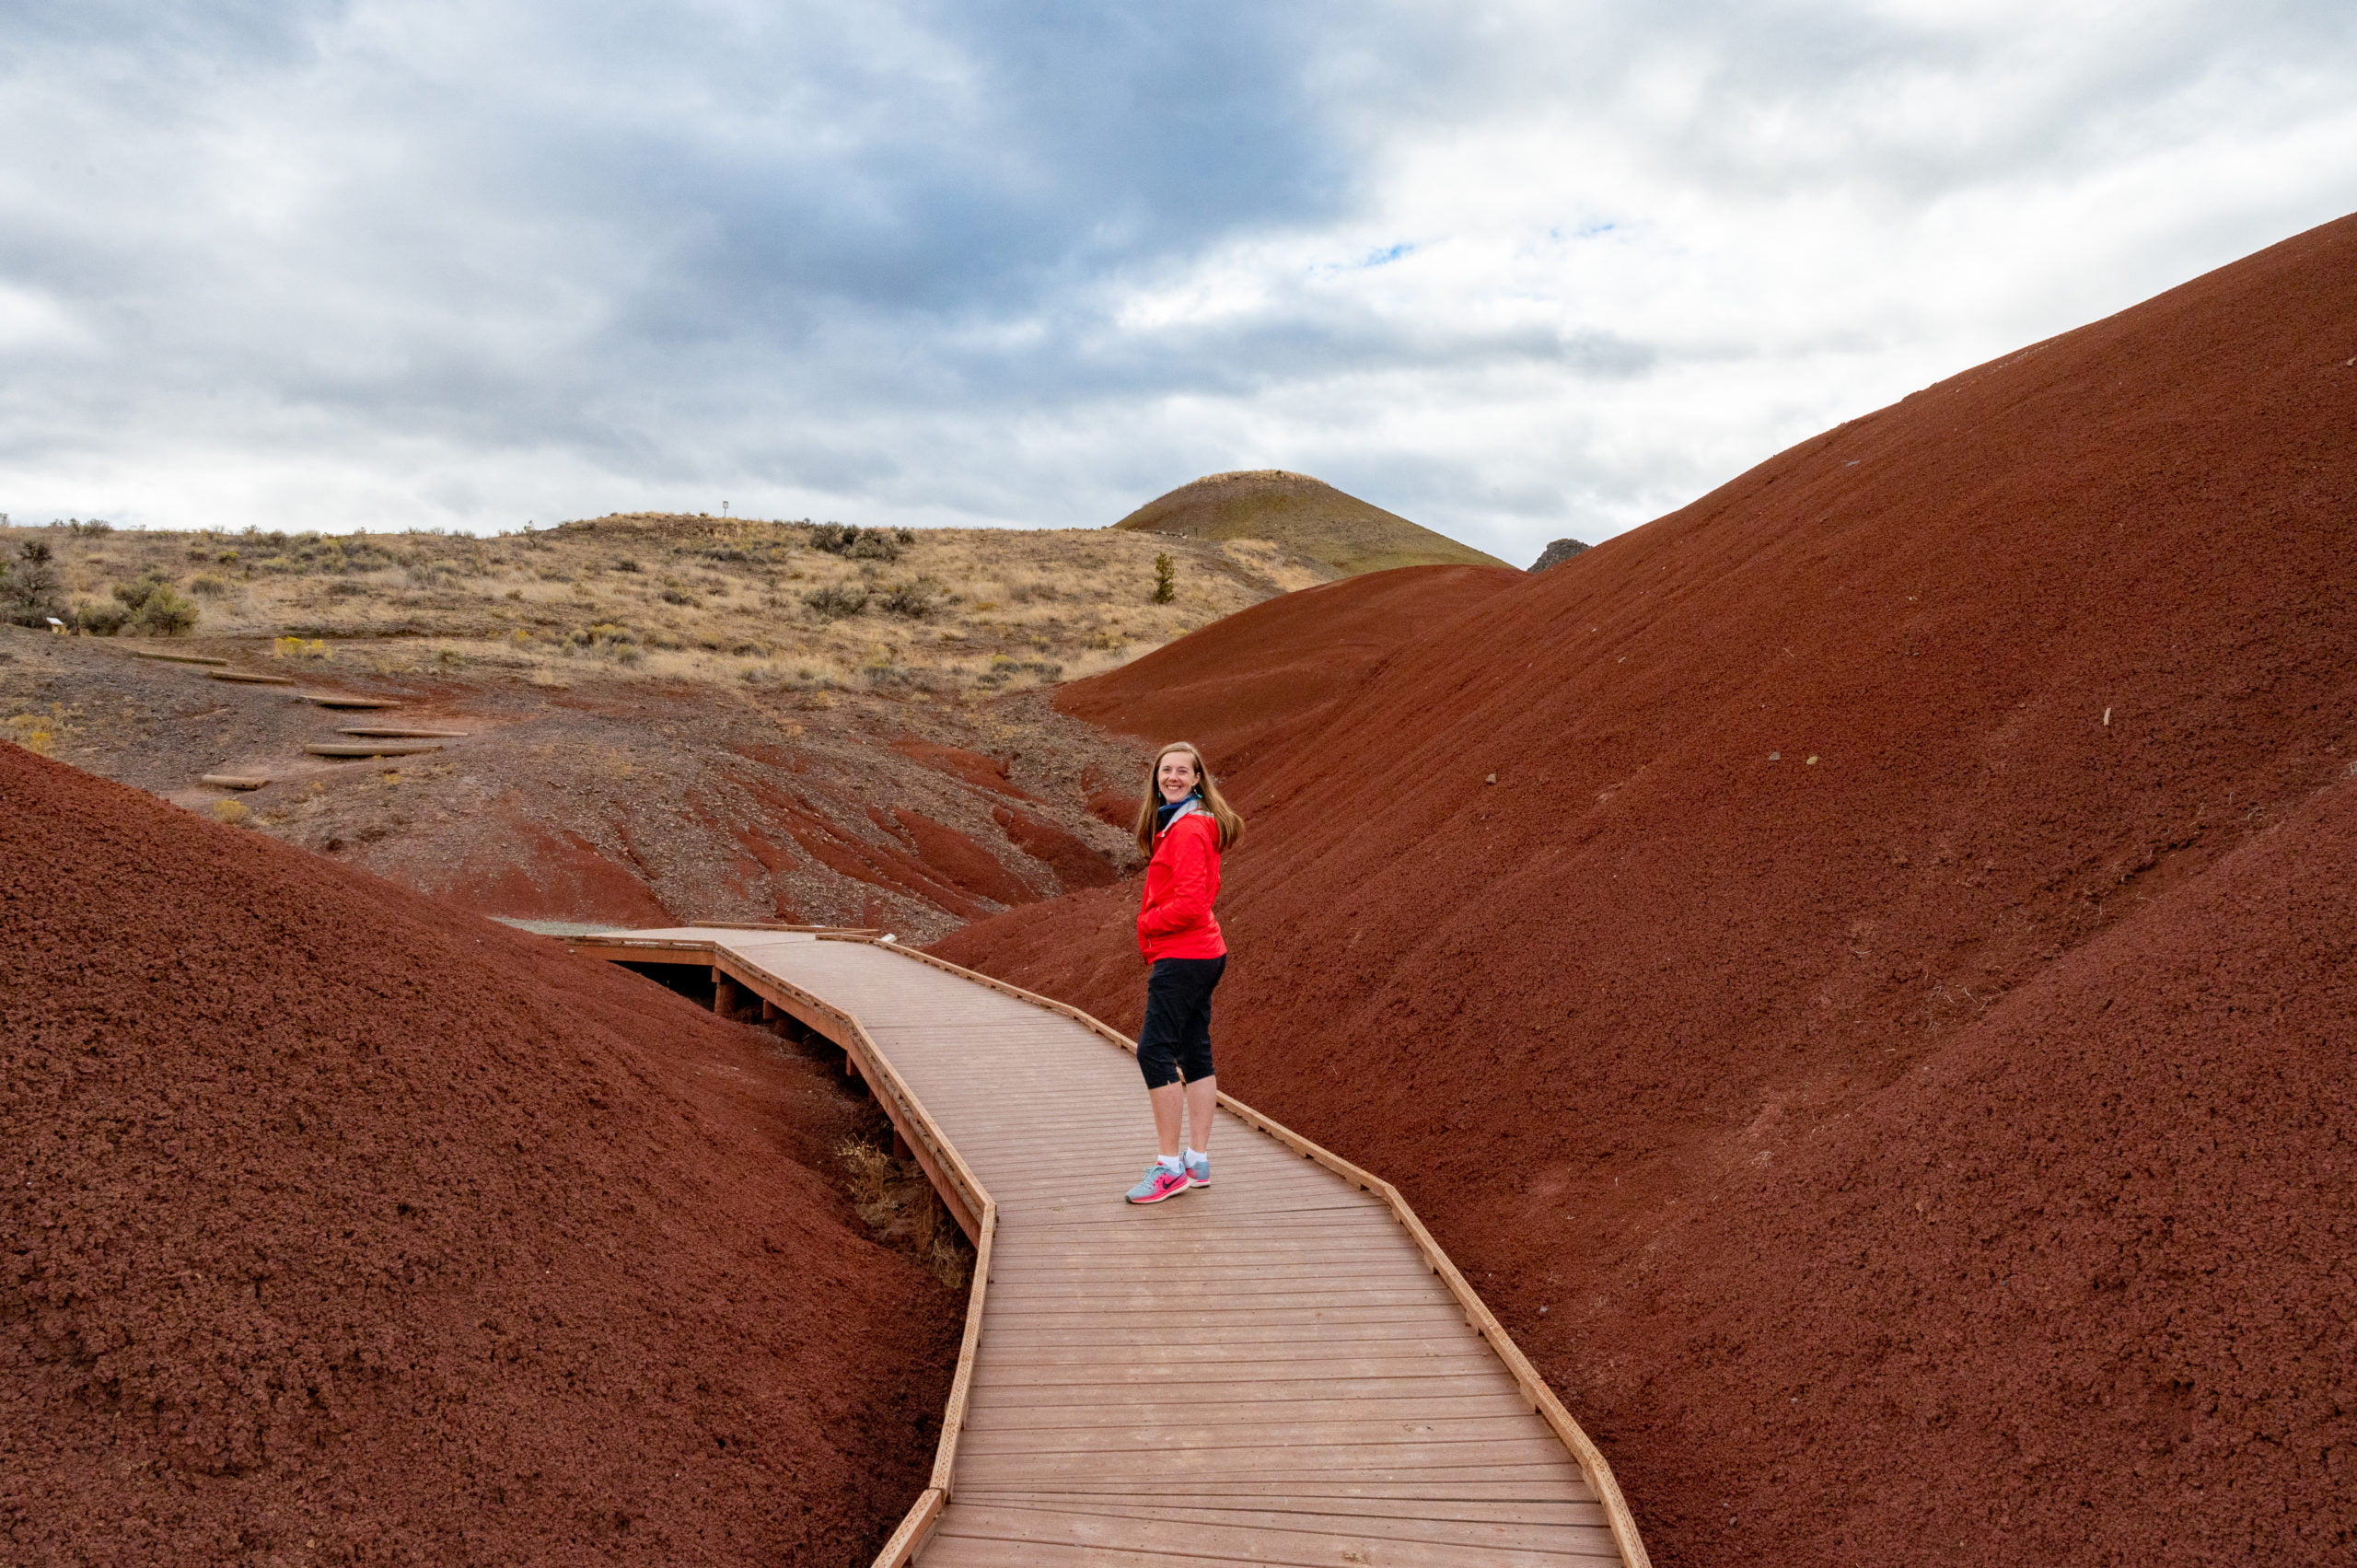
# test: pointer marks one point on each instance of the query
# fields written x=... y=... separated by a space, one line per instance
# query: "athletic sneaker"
x=1198 y=1172
x=1160 y=1182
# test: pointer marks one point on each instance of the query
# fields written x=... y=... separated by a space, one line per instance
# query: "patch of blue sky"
x=1368 y=262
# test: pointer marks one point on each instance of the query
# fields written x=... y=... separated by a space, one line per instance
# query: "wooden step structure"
x=1281 y=1368
x=351 y=748
x=400 y=731
x=340 y=699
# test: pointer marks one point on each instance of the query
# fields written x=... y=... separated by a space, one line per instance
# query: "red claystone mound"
x=950 y=854
x=1882 y=1039
x=340 y=1228
x=539 y=872
x=1114 y=807
x=1076 y=865
x=1263 y=669
x=2091 y=1263
x=971 y=767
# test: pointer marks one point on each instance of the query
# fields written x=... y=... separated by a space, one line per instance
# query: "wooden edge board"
x=969 y=1344
x=639 y=949
x=773 y=925
x=916 y=1528
x=233 y=781
x=649 y=945
x=1590 y=1458
x=179 y=658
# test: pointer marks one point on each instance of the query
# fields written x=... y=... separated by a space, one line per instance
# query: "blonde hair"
x=1231 y=825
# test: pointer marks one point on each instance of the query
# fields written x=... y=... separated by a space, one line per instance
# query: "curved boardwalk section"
x=1280 y=1368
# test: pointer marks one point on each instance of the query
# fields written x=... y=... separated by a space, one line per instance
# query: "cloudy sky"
x=1517 y=271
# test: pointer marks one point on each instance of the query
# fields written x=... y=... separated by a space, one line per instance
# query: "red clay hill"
x=340 y=1228
x=1884 y=1039
x=1272 y=667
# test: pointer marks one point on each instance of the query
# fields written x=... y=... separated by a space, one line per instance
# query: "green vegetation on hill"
x=1307 y=515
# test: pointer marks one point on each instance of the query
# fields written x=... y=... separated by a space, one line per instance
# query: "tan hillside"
x=940 y=613
x=1305 y=515
x=637 y=720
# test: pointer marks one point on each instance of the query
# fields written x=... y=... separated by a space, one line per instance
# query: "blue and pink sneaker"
x=1160 y=1182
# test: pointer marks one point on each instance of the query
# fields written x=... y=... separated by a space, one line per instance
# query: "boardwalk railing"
x=970 y=1204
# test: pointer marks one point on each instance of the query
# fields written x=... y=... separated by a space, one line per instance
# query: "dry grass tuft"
x=35 y=732
x=896 y=1202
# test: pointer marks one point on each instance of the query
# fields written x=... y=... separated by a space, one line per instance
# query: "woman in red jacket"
x=1183 y=826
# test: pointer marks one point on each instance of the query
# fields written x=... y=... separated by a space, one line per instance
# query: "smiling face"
x=1175 y=775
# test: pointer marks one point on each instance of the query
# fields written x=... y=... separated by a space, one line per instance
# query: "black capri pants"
x=1175 y=1046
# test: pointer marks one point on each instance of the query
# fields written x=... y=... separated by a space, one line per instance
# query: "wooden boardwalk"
x=1280 y=1368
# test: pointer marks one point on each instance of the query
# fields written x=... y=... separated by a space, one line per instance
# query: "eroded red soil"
x=1281 y=663
x=1883 y=1039
x=611 y=801
x=340 y=1228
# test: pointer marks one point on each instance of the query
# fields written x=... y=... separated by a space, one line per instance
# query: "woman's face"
x=1175 y=775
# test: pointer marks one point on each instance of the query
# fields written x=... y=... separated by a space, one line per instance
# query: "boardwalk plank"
x=1417 y=1440
x=1215 y=1388
x=1502 y=1511
x=1402 y=1404
x=1493 y=1528
x=1501 y=1483
x=1003 y=1460
x=1044 y=1531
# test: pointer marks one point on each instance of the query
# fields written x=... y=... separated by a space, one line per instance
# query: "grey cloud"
x=472 y=254
x=1796 y=95
x=878 y=253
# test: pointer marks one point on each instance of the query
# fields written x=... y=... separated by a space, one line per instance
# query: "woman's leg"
x=1168 y=1003
x=1202 y=1103
x=1194 y=1058
x=1169 y=1104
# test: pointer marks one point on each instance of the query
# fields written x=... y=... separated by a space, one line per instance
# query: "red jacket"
x=1175 y=920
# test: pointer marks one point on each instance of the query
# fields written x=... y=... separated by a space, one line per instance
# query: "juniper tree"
x=29 y=589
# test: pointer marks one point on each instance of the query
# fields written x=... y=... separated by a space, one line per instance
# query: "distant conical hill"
x=1305 y=515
